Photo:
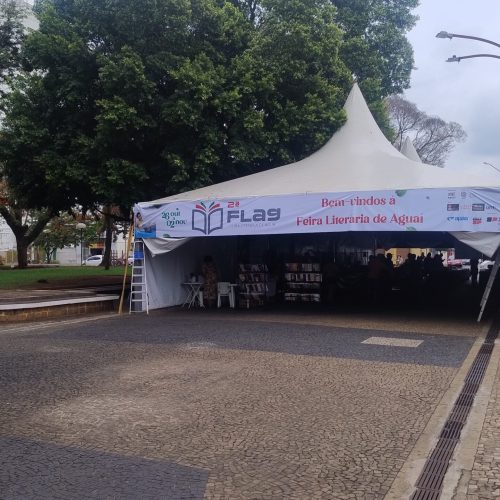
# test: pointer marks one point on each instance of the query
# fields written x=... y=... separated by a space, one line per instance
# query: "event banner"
x=476 y=210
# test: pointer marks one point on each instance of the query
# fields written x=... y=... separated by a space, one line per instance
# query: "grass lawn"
x=29 y=278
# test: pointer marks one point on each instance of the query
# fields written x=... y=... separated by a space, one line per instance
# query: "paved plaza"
x=221 y=406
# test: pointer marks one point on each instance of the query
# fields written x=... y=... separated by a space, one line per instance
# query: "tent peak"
x=360 y=135
x=408 y=149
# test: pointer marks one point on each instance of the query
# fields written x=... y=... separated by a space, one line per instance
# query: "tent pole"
x=489 y=285
x=127 y=246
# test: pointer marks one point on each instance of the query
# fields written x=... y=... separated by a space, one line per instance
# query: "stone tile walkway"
x=238 y=409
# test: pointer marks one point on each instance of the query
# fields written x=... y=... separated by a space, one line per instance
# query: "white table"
x=194 y=297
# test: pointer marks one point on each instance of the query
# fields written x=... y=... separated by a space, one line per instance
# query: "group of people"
x=382 y=274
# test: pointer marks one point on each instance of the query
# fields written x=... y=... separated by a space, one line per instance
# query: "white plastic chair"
x=224 y=289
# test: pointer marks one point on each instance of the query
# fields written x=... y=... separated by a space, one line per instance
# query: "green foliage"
x=375 y=40
x=134 y=99
x=12 y=33
x=61 y=231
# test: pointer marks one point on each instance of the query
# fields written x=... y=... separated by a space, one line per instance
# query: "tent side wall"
x=166 y=272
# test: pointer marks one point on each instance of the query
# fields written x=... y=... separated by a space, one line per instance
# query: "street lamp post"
x=445 y=34
x=492 y=166
x=81 y=226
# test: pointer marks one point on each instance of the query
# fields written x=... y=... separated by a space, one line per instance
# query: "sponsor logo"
x=463 y=194
x=457 y=218
x=452 y=194
x=453 y=207
x=492 y=219
x=478 y=207
x=477 y=220
x=207 y=219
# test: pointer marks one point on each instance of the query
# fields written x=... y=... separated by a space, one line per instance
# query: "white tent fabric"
x=170 y=268
x=158 y=246
x=486 y=243
x=408 y=149
x=357 y=158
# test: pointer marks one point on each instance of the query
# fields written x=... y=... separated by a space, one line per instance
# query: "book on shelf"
x=302 y=282
x=252 y=284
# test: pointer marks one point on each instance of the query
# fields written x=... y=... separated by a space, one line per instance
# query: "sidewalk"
x=63 y=298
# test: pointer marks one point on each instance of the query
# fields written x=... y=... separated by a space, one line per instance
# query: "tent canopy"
x=357 y=182
x=358 y=157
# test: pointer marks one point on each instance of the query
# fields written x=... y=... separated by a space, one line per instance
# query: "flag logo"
x=207 y=219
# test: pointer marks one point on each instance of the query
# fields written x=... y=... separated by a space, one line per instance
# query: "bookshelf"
x=302 y=282
x=252 y=285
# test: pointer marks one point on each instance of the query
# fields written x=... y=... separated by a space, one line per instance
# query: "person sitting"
x=209 y=272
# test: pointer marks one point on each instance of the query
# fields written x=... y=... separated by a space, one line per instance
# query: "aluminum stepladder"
x=489 y=285
x=139 y=298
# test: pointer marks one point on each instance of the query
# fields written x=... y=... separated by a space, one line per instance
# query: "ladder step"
x=138 y=286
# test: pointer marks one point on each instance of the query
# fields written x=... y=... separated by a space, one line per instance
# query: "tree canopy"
x=12 y=33
x=375 y=45
x=123 y=100
x=433 y=138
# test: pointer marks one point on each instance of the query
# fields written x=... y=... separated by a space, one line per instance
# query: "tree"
x=375 y=45
x=135 y=99
x=432 y=137
x=25 y=224
x=61 y=232
x=138 y=99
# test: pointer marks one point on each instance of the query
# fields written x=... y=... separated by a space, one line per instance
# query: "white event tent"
x=357 y=182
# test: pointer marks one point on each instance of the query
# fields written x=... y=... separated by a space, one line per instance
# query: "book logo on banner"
x=207 y=219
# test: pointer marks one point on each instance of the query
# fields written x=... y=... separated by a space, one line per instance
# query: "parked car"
x=458 y=264
x=93 y=260
x=485 y=265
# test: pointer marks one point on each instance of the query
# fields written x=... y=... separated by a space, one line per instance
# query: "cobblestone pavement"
x=169 y=406
x=485 y=478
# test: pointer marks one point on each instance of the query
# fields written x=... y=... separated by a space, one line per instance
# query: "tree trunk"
x=108 y=224
x=25 y=234
x=22 y=253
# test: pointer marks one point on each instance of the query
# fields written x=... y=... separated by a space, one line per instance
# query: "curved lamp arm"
x=459 y=58
x=445 y=34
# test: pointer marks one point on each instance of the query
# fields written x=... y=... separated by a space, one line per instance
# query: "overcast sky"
x=465 y=92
